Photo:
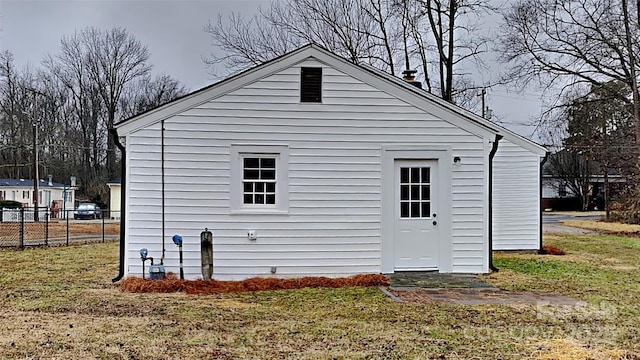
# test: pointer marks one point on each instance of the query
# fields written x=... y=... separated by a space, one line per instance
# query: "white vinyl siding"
x=516 y=198
x=333 y=226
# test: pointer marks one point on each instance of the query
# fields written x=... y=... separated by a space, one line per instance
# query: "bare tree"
x=574 y=170
x=441 y=35
x=147 y=93
x=564 y=43
x=452 y=29
x=115 y=58
x=16 y=116
x=359 y=30
x=70 y=68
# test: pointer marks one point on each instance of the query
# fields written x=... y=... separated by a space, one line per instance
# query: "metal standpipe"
x=143 y=256
x=177 y=239
x=206 y=253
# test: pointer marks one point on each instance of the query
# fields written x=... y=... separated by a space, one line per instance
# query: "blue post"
x=177 y=239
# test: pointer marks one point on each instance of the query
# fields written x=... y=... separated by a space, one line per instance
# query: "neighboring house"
x=50 y=194
x=558 y=195
x=312 y=165
x=114 y=198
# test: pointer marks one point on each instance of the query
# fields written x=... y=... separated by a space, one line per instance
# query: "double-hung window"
x=259 y=179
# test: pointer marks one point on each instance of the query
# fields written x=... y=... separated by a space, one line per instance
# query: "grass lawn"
x=60 y=303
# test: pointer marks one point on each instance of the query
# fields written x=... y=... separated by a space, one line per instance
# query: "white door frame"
x=416 y=152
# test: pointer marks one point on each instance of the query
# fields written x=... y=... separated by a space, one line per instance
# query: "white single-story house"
x=114 y=198
x=50 y=194
x=310 y=165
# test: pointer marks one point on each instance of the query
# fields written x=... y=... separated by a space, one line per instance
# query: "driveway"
x=552 y=222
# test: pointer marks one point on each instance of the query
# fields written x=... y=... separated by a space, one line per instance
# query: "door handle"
x=435 y=222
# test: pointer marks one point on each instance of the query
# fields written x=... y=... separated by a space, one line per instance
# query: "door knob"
x=435 y=222
x=434 y=214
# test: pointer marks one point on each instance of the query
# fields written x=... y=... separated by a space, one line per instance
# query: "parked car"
x=87 y=211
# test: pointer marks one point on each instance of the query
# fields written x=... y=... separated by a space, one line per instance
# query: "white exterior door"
x=416 y=240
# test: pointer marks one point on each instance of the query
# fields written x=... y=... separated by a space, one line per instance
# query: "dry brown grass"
x=560 y=349
x=607 y=227
x=59 y=303
x=172 y=284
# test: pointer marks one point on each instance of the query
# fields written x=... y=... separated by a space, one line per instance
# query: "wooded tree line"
x=97 y=78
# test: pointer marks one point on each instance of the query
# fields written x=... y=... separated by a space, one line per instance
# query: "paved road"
x=553 y=218
x=551 y=223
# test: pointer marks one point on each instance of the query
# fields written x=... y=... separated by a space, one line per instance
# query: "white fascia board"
x=523 y=142
x=212 y=91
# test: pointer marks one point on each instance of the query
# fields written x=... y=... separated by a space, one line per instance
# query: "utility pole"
x=35 y=172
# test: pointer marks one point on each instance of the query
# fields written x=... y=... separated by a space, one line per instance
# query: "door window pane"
x=404 y=209
x=426 y=209
x=404 y=175
x=426 y=175
x=426 y=192
x=415 y=192
x=415 y=175
x=415 y=209
x=404 y=192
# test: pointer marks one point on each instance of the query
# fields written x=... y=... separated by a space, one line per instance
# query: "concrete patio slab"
x=462 y=289
x=436 y=280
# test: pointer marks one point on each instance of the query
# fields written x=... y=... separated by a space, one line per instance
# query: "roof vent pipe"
x=410 y=77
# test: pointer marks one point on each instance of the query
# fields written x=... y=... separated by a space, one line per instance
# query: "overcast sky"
x=173 y=32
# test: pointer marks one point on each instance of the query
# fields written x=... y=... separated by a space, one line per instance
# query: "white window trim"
x=281 y=153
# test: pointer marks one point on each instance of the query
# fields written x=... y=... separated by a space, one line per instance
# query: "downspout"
x=162 y=181
x=544 y=160
x=494 y=149
x=123 y=199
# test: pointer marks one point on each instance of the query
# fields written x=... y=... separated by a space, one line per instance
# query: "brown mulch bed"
x=551 y=250
x=171 y=284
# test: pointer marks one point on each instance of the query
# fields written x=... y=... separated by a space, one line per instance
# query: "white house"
x=114 y=198
x=50 y=194
x=311 y=165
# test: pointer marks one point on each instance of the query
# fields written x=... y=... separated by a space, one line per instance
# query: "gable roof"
x=377 y=78
x=29 y=183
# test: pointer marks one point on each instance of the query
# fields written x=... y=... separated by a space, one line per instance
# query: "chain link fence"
x=24 y=227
